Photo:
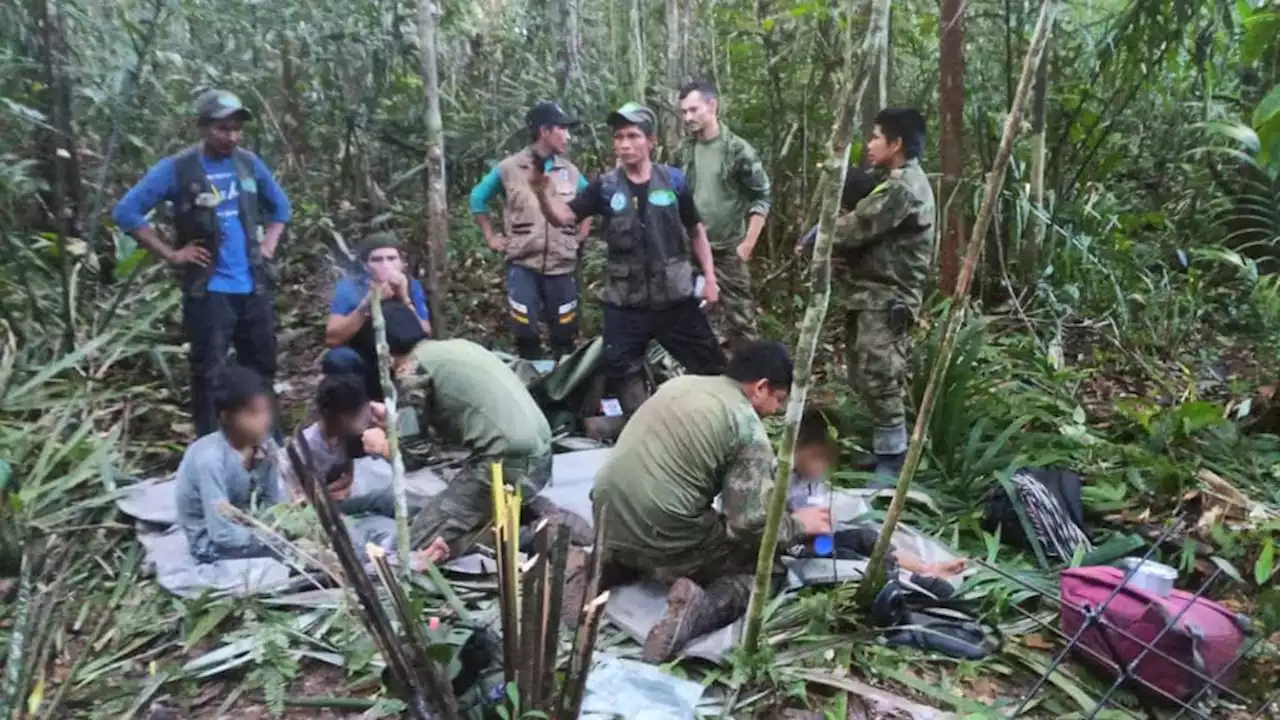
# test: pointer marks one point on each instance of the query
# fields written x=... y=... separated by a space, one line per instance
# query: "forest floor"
x=1138 y=424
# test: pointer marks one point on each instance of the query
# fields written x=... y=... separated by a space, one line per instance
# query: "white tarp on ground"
x=633 y=608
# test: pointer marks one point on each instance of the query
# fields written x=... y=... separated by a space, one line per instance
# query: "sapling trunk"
x=393 y=433
x=819 y=295
x=955 y=315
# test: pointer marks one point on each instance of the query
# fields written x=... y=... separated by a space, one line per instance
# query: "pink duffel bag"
x=1204 y=642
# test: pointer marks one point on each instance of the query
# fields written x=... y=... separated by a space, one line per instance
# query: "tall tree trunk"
x=878 y=96
x=635 y=50
x=874 y=579
x=672 y=129
x=950 y=150
x=1033 y=238
x=842 y=130
x=437 y=207
x=569 y=64
x=61 y=151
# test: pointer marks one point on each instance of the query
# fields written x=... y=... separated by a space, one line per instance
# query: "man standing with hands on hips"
x=542 y=258
x=653 y=235
x=733 y=195
x=222 y=197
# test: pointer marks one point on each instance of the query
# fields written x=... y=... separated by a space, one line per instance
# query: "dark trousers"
x=683 y=329
x=534 y=298
x=215 y=323
x=346 y=360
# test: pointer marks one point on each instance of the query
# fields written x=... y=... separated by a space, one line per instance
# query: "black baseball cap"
x=220 y=105
x=547 y=113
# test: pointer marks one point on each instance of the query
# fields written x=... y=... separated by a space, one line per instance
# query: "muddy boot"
x=693 y=612
x=579 y=529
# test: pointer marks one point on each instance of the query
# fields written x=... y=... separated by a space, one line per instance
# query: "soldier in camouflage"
x=886 y=244
x=731 y=190
x=472 y=400
x=696 y=439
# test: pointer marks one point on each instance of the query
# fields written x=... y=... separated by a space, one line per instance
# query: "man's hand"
x=190 y=255
x=378 y=414
x=711 y=291
x=375 y=442
x=814 y=520
x=497 y=242
x=745 y=250
x=399 y=285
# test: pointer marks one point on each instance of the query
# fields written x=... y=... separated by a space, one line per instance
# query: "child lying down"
x=816 y=451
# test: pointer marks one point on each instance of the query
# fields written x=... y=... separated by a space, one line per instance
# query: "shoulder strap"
x=243 y=160
x=190 y=173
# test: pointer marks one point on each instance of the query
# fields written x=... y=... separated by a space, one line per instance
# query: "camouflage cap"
x=220 y=105
x=378 y=241
x=633 y=114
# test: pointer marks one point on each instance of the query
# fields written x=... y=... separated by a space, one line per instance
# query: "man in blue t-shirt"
x=349 y=331
x=228 y=216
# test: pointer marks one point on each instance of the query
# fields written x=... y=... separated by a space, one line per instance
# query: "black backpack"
x=1041 y=510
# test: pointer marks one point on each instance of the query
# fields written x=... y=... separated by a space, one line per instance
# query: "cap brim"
x=224 y=113
x=621 y=118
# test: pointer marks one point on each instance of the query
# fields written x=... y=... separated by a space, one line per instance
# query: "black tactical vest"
x=649 y=261
x=194 y=223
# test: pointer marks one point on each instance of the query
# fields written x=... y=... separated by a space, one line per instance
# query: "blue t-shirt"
x=233 y=274
x=352 y=289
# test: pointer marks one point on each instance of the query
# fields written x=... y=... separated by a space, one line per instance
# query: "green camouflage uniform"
x=473 y=400
x=697 y=438
x=729 y=183
x=886 y=245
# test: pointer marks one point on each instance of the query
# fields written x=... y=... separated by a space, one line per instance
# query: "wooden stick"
x=398 y=488
x=553 y=596
x=580 y=665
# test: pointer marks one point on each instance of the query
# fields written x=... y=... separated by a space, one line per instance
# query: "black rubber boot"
x=529 y=348
x=888 y=468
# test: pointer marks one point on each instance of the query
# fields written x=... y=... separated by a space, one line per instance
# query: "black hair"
x=379 y=241
x=766 y=360
x=234 y=387
x=341 y=395
x=702 y=87
x=905 y=124
x=815 y=430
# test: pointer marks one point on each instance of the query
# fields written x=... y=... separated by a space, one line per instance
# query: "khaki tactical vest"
x=195 y=223
x=532 y=241
x=648 y=262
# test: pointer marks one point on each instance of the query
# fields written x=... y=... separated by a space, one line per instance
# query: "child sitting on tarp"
x=235 y=466
x=817 y=450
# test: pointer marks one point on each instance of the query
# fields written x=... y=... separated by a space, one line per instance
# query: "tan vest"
x=532 y=241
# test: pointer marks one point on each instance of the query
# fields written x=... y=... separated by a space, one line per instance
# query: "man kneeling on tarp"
x=235 y=465
x=474 y=401
x=696 y=438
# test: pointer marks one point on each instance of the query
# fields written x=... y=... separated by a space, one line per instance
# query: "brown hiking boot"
x=579 y=529
x=693 y=612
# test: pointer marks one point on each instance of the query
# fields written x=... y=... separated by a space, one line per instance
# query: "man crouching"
x=697 y=438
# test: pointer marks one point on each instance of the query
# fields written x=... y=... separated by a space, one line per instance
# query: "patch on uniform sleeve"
x=249 y=185
x=618 y=202
x=662 y=198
